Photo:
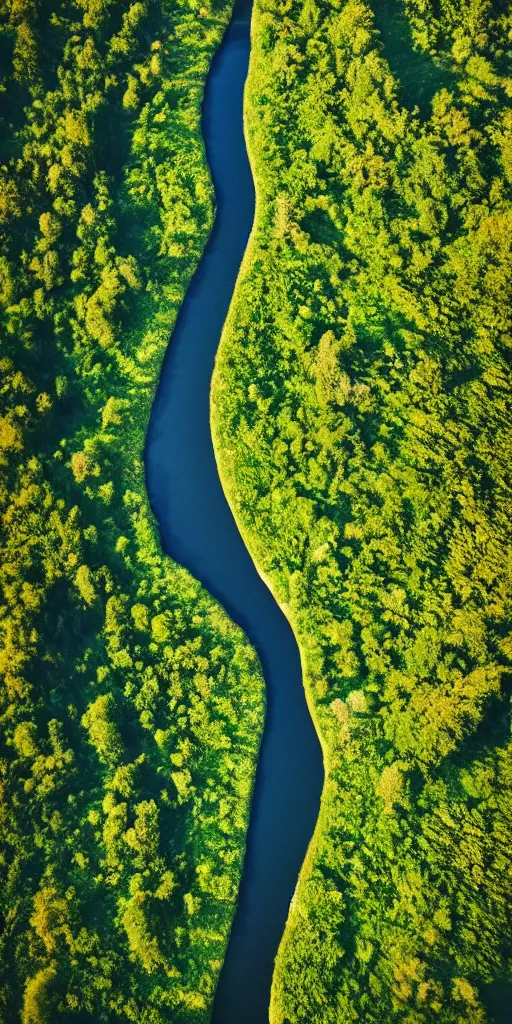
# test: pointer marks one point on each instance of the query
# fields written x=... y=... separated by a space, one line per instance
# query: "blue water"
x=198 y=530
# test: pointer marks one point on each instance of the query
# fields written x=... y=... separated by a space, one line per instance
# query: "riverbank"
x=346 y=404
x=132 y=704
x=198 y=530
x=223 y=456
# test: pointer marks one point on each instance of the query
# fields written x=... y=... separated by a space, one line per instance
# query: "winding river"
x=198 y=530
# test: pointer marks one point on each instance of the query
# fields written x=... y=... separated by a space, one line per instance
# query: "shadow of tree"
x=418 y=74
x=497 y=999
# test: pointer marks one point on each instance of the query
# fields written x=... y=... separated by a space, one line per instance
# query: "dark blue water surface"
x=198 y=530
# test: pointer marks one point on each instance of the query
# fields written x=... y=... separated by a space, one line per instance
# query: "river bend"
x=197 y=530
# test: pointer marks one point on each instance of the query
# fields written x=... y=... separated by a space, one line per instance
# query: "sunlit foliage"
x=130 y=706
x=362 y=411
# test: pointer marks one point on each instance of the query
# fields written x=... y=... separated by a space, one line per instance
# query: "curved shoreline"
x=223 y=469
x=199 y=531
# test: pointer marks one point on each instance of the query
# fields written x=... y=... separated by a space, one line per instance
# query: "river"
x=198 y=530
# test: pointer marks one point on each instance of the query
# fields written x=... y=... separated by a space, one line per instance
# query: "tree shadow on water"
x=497 y=999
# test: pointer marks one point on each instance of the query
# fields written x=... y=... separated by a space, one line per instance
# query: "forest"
x=131 y=707
x=362 y=419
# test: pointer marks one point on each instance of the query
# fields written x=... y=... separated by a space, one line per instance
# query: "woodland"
x=131 y=707
x=362 y=416
x=362 y=420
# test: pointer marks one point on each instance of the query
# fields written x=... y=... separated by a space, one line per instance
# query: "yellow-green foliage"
x=107 y=650
x=362 y=413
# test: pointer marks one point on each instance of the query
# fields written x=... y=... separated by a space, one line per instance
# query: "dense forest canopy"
x=131 y=707
x=362 y=415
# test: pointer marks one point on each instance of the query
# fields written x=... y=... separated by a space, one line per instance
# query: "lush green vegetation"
x=362 y=413
x=131 y=707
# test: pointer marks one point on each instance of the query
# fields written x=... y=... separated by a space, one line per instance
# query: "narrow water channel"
x=198 y=530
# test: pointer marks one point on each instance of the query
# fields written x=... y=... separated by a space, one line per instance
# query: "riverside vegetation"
x=362 y=418
x=131 y=707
